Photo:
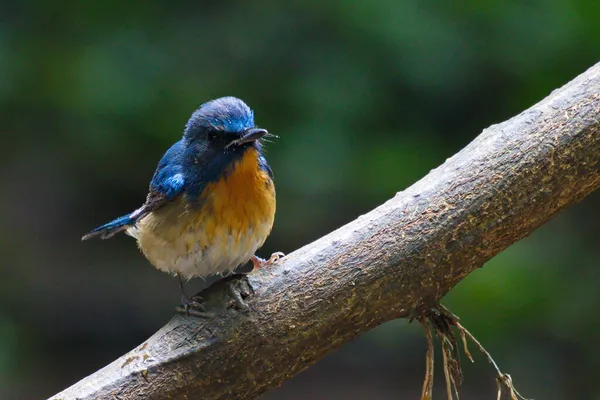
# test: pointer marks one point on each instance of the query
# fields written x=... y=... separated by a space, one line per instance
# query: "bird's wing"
x=168 y=181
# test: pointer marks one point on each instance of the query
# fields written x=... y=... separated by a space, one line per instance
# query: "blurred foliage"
x=366 y=97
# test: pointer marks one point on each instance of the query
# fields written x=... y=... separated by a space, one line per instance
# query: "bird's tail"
x=113 y=227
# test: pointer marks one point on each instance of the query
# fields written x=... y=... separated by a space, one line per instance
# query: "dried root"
x=444 y=322
x=429 y=358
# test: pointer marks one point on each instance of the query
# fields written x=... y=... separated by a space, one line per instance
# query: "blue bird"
x=211 y=201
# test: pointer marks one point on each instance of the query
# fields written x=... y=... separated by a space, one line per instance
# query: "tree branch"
x=393 y=262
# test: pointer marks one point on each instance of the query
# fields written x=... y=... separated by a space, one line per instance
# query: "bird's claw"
x=238 y=295
x=258 y=262
x=193 y=312
x=192 y=307
x=275 y=257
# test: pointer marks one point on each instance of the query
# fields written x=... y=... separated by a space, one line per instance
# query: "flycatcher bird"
x=211 y=201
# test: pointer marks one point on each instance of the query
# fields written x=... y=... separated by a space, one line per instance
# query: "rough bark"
x=392 y=262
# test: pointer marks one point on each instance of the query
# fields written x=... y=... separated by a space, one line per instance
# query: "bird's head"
x=222 y=125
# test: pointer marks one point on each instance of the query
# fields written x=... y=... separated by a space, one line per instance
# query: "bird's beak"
x=250 y=135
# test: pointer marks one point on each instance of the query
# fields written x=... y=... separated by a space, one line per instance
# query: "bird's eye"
x=213 y=136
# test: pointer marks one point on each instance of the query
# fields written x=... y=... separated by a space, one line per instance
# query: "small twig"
x=446 y=358
x=463 y=338
x=427 y=392
x=502 y=379
x=451 y=361
x=443 y=320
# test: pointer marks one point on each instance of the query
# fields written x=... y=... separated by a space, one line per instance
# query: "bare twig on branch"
x=396 y=261
x=444 y=323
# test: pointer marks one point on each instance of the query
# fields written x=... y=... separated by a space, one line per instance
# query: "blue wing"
x=169 y=179
x=167 y=183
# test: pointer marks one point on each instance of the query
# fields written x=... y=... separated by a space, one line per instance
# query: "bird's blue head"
x=217 y=134
x=226 y=121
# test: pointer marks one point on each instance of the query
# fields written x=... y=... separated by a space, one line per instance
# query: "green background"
x=366 y=97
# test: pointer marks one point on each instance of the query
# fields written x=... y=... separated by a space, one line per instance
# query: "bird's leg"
x=185 y=300
x=190 y=306
x=258 y=262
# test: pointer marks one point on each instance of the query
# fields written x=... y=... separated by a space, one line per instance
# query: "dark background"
x=366 y=97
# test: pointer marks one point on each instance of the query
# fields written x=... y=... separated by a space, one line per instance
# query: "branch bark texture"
x=393 y=262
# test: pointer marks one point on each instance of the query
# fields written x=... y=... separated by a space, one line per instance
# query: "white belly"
x=222 y=257
x=187 y=256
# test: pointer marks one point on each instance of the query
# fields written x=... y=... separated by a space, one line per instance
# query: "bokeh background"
x=366 y=97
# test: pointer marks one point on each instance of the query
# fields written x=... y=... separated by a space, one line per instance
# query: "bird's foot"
x=239 y=290
x=192 y=307
x=258 y=263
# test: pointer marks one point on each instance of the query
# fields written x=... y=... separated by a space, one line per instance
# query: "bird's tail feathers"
x=113 y=227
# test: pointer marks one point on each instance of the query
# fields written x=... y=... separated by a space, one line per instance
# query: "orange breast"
x=244 y=200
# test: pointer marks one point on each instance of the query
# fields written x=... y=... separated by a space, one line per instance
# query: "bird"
x=211 y=201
